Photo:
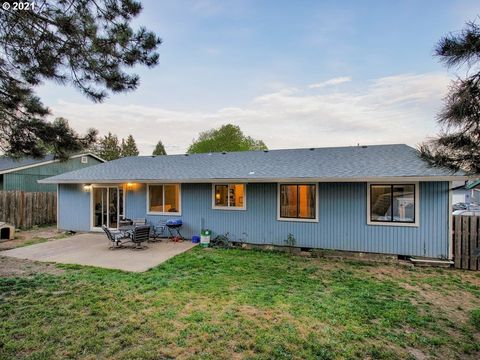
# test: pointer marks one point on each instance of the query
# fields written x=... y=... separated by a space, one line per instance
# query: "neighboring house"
x=475 y=187
x=461 y=193
x=23 y=174
x=466 y=192
x=381 y=199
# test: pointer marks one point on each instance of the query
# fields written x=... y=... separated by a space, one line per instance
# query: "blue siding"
x=342 y=219
x=73 y=208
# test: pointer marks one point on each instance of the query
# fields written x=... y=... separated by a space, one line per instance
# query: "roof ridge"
x=272 y=150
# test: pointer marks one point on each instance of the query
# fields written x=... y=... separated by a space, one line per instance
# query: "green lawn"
x=242 y=304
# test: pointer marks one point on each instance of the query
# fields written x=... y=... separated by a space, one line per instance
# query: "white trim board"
x=46 y=163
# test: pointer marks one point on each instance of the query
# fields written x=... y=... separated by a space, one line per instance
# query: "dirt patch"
x=28 y=237
x=13 y=267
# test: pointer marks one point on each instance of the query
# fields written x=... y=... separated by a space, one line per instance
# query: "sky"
x=291 y=73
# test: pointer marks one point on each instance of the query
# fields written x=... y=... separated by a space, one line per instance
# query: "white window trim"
x=179 y=212
x=235 y=208
x=390 y=223
x=84 y=159
x=279 y=218
x=124 y=190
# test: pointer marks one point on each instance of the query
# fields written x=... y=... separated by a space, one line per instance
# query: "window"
x=393 y=203
x=163 y=199
x=228 y=196
x=298 y=202
x=84 y=159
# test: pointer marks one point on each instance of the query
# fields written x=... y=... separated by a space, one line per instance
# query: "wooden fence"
x=27 y=209
x=466 y=242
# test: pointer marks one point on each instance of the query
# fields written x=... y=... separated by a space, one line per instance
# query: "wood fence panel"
x=473 y=241
x=27 y=209
x=466 y=233
x=457 y=239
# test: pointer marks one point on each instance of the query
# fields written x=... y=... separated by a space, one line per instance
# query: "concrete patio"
x=92 y=249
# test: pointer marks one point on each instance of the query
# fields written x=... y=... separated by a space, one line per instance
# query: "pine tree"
x=85 y=43
x=159 y=149
x=458 y=145
x=129 y=147
x=109 y=148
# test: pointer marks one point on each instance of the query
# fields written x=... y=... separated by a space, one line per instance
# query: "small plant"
x=290 y=240
x=475 y=318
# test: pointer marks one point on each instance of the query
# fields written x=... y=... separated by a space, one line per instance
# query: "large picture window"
x=393 y=203
x=298 y=202
x=229 y=196
x=164 y=199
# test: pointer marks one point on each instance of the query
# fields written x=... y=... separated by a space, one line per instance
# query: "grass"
x=40 y=239
x=475 y=318
x=213 y=304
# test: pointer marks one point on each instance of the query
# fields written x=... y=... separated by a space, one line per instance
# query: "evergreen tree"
x=129 y=147
x=226 y=138
x=109 y=148
x=159 y=149
x=85 y=43
x=458 y=145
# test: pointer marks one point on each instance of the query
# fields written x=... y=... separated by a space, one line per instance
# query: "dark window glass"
x=392 y=203
x=298 y=201
x=221 y=195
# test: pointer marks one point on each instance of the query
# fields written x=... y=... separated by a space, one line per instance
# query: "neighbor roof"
x=358 y=163
x=8 y=164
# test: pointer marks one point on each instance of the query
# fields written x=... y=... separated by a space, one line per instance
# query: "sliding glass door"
x=106 y=203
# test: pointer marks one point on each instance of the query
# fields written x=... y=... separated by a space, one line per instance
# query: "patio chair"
x=140 y=235
x=158 y=230
x=138 y=222
x=115 y=237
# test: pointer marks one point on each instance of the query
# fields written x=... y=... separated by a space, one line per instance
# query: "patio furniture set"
x=138 y=231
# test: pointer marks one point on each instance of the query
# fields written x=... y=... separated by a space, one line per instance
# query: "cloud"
x=393 y=109
x=334 y=81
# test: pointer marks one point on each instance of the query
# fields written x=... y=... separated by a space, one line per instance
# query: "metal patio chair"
x=115 y=237
x=158 y=230
x=140 y=235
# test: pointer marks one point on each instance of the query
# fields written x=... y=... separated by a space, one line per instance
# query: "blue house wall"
x=342 y=221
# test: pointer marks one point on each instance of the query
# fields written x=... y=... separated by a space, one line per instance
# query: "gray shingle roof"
x=358 y=162
x=7 y=163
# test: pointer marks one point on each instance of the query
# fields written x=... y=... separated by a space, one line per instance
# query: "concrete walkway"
x=92 y=249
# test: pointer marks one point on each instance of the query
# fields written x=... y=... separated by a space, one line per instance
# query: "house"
x=466 y=192
x=23 y=174
x=461 y=193
x=381 y=199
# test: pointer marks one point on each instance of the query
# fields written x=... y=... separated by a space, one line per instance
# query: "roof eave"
x=260 y=180
x=46 y=162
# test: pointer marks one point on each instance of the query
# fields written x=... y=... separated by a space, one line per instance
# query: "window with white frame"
x=84 y=159
x=298 y=202
x=393 y=203
x=163 y=199
x=229 y=196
